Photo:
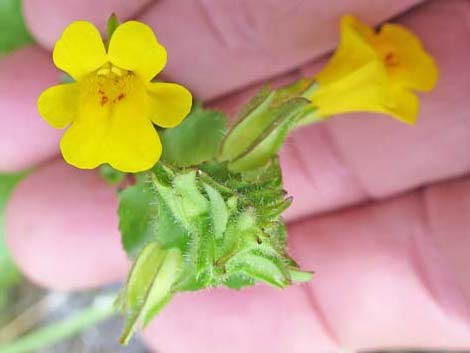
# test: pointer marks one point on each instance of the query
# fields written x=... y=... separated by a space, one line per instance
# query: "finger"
x=393 y=274
x=62 y=229
x=26 y=139
x=386 y=277
x=257 y=319
x=350 y=159
x=216 y=47
x=47 y=20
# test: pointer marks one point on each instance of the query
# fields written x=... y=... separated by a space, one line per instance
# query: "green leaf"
x=195 y=140
x=13 y=31
x=137 y=212
x=149 y=286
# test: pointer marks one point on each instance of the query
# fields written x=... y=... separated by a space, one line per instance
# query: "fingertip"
x=46 y=21
x=257 y=319
x=62 y=229
x=448 y=208
x=376 y=263
x=26 y=138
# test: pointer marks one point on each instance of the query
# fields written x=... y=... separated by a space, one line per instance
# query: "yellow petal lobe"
x=354 y=51
x=58 y=104
x=405 y=106
x=132 y=142
x=170 y=103
x=80 y=50
x=413 y=68
x=134 y=47
x=83 y=143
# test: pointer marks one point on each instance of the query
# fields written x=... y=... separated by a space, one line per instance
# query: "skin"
x=380 y=212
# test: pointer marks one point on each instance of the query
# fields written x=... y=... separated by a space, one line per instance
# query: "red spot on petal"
x=391 y=60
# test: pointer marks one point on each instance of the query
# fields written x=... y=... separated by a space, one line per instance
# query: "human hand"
x=391 y=273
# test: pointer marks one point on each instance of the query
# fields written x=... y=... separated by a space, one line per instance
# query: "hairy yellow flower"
x=112 y=105
x=374 y=72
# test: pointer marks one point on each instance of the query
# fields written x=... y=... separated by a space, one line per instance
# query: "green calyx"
x=225 y=226
x=209 y=214
x=263 y=125
x=232 y=230
x=149 y=286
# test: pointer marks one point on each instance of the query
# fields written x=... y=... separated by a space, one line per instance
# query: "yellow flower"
x=374 y=72
x=112 y=105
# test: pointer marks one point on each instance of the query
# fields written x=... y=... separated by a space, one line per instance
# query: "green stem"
x=56 y=332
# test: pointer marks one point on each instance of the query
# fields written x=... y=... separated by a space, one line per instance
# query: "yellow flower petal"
x=132 y=143
x=405 y=106
x=134 y=47
x=83 y=142
x=170 y=103
x=352 y=23
x=58 y=104
x=353 y=52
x=116 y=130
x=80 y=50
x=366 y=89
x=415 y=68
